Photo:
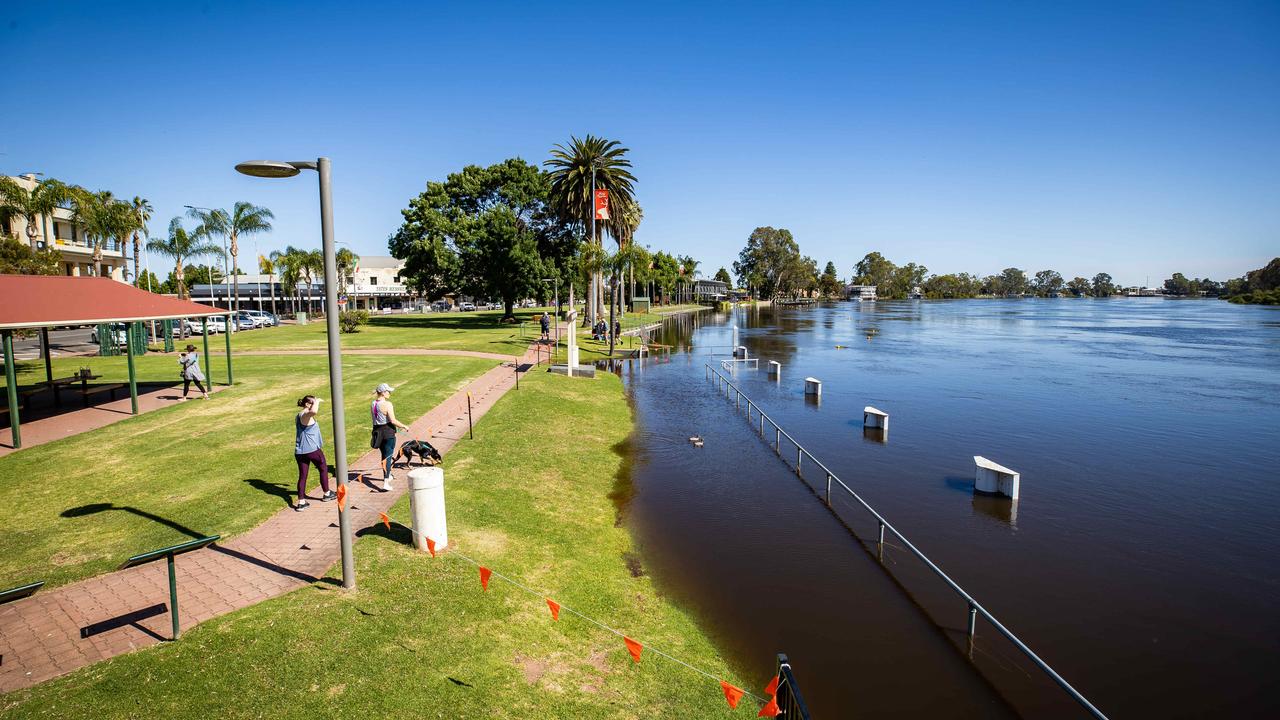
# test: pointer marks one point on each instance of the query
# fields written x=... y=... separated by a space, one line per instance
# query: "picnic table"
x=57 y=383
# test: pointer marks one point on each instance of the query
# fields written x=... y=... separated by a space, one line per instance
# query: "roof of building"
x=379 y=262
x=30 y=301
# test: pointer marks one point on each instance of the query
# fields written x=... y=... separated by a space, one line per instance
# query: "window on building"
x=373 y=280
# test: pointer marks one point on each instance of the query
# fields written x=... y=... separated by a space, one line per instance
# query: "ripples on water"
x=1140 y=561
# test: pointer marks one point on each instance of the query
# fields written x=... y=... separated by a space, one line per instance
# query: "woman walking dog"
x=308 y=450
x=189 y=362
x=384 y=431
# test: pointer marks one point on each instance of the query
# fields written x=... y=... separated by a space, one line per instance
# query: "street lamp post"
x=277 y=169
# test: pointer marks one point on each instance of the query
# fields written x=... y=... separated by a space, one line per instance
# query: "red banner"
x=484 y=577
x=602 y=204
x=342 y=498
x=770 y=708
x=772 y=687
x=731 y=694
x=431 y=547
x=555 y=608
x=633 y=647
x=385 y=520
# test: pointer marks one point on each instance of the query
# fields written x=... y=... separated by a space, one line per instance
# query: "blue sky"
x=1137 y=139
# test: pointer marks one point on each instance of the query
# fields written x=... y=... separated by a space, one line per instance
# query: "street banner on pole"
x=602 y=204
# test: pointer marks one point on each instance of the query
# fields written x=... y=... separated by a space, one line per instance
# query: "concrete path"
x=56 y=632
x=78 y=420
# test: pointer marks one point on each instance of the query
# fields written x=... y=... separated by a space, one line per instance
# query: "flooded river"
x=1140 y=560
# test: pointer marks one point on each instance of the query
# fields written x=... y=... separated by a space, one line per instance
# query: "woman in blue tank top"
x=308 y=450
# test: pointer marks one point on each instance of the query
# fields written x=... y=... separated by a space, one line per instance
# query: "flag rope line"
x=588 y=618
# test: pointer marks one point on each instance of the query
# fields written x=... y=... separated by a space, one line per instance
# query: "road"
x=62 y=342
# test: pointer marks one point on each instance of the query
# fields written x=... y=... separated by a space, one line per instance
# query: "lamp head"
x=267 y=168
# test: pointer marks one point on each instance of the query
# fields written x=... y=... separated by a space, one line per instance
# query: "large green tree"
x=723 y=276
x=1102 y=285
x=875 y=269
x=1047 y=282
x=829 y=283
x=483 y=231
x=577 y=168
x=769 y=261
x=1078 y=286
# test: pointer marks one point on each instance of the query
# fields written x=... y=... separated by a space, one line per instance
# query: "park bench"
x=111 y=388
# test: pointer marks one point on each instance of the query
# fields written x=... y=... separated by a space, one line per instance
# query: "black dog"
x=423 y=449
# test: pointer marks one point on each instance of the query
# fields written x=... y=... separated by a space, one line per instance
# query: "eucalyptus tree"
x=575 y=170
x=181 y=245
x=244 y=219
x=141 y=215
x=17 y=201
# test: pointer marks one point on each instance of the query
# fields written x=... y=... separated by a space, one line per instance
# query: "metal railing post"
x=799 y=455
x=173 y=595
x=973 y=623
x=777 y=440
x=828 y=489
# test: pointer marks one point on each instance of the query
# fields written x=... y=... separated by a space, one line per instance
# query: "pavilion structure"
x=40 y=302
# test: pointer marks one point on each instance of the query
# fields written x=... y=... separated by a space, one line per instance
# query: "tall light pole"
x=277 y=169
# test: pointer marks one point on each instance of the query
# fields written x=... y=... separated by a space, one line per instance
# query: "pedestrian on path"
x=384 y=431
x=189 y=362
x=308 y=450
x=545 y=320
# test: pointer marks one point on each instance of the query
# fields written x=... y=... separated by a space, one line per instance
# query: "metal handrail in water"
x=975 y=608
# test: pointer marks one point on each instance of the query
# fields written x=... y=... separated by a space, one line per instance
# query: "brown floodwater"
x=1140 y=560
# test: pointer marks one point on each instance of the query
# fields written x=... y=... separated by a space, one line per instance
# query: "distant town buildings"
x=60 y=232
x=375 y=285
x=860 y=292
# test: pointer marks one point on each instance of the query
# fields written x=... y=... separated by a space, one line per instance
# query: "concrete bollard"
x=735 y=336
x=775 y=369
x=874 y=418
x=426 y=507
x=740 y=352
x=813 y=386
x=995 y=479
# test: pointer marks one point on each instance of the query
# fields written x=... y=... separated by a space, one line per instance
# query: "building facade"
x=60 y=232
x=377 y=285
x=861 y=292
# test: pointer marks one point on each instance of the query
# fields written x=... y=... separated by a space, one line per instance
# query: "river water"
x=1140 y=560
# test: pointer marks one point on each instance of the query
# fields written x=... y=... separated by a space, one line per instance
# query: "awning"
x=32 y=301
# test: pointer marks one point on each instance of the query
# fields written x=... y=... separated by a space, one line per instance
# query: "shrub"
x=349 y=321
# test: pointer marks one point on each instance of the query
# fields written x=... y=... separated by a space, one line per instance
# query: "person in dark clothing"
x=308 y=450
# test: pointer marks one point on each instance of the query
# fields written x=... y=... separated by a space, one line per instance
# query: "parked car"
x=118 y=333
x=263 y=318
x=440 y=306
x=467 y=307
x=245 y=321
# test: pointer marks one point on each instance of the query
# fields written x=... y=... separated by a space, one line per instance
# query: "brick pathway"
x=55 y=632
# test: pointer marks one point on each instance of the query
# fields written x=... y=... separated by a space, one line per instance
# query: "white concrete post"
x=813 y=386
x=740 y=352
x=573 y=343
x=995 y=479
x=874 y=418
x=426 y=507
x=735 y=336
x=775 y=369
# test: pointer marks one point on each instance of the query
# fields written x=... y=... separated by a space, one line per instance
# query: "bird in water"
x=696 y=440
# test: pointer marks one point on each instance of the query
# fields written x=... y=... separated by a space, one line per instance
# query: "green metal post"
x=204 y=322
x=48 y=362
x=11 y=380
x=229 y=380
x=173 y=595
x=168 y=335
x=133 y=375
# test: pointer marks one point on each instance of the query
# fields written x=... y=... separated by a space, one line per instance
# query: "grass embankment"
x=529 y=498
x=591 y=350
x=77 y=507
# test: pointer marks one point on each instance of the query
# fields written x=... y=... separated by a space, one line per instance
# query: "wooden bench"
x=112 y=388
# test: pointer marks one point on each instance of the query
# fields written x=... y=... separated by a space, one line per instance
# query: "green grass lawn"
x=77 y=507
x=419 y=639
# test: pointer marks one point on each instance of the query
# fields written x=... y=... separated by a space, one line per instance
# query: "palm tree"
x=311 y=262
x=587 y=164
x=288 y=263
x=346 y=262
x=244 y=219
x=17 y=201
x=98 y=215
x=142 y=215
x=266 y=266
x=181 y=245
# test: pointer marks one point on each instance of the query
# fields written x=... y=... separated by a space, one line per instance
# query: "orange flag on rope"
x=431 y=546
x=555 y=608
x=770 y=708
x=342 y=497
x=484 y=577
x=385 y=520
x=633 y=647
x=731 y=694
x=772 y=688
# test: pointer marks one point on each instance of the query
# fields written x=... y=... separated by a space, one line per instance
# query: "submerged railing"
x=975 y=609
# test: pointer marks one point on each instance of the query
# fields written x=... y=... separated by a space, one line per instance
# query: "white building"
x=860 y=292
x=58 y=231
x=376 y=284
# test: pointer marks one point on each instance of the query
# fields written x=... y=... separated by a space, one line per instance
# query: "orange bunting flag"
x=772 y=688
x=385 y=520
x=633 y=647
x=431 y=546
x=731 y=694
x=342 y=497
x=555 y=608
x=484 y=577
x=770 y=708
